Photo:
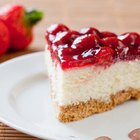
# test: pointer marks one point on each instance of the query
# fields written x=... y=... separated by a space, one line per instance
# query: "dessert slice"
x=91 y=71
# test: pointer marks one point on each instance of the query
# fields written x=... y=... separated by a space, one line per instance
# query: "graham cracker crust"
x=82 y=110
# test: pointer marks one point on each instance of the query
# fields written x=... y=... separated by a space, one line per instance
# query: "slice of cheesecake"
x=91 y=71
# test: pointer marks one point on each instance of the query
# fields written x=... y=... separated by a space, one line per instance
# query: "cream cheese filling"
x=82 y=84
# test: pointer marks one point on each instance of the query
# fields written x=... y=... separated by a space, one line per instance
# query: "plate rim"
x=11 y=123
x=17 y=58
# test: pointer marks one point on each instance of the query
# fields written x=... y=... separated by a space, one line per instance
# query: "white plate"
x=25 y=104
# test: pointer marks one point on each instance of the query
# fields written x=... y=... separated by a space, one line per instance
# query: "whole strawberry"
x=4 y=38
x=20 y=23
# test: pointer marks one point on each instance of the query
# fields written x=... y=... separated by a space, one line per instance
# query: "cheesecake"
x=91 y=71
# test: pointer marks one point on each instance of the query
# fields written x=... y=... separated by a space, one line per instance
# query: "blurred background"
x=114 y=15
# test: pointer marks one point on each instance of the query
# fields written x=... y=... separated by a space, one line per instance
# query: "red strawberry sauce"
x=90 y=46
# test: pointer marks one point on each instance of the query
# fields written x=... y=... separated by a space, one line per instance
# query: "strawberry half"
x=105 y=55
x=20 y=23
x=120 y=48
x=130 y=38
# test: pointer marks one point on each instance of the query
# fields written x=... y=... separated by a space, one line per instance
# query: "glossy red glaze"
x=90 y=30
x=90 y=46
x=107 y=34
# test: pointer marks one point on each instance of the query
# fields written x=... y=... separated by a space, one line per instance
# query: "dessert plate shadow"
x=25 y=104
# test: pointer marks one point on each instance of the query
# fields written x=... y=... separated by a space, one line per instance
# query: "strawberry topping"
x=90 y=46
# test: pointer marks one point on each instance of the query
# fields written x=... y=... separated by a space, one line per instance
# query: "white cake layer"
x=82 y=84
